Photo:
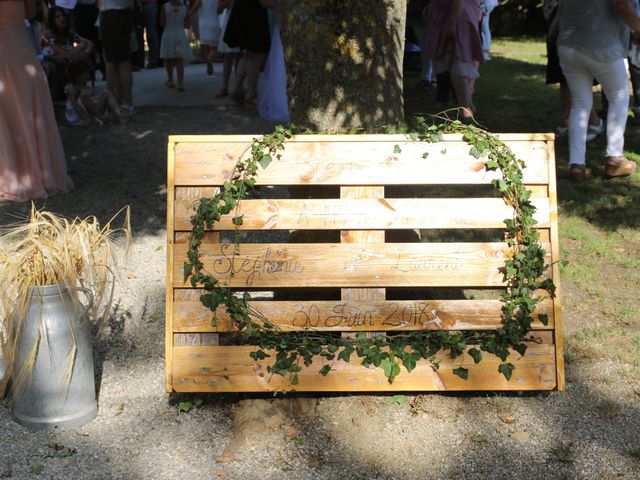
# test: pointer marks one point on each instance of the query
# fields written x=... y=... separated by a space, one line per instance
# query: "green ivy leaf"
x=237 y=221
x=506 y=369
x=265 y=160
x=409 y=363
x=186 y=270
x=37 y=469
x=387 y=367
x=185 y=407
x=324 y=370
x=475 y=354
x=521 y=348
x=544 y=318
x=461 y=372
x=397 y=149
x=397 y=400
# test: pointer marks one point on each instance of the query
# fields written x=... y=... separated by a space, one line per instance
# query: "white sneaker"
x=561 y=131
x=594 y=130
x=126 y=110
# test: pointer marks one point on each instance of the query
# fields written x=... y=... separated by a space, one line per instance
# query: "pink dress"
x=463 y=56
x=32 y=163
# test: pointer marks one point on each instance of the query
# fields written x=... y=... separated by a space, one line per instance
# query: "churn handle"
x=89 y=295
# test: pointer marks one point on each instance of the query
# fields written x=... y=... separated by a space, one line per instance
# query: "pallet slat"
x=389 y=213
x=326 y=161
x=390 y=315
x=230 y=369
x=351 y=265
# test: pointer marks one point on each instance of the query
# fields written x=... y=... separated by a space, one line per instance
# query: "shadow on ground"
x=125 y=164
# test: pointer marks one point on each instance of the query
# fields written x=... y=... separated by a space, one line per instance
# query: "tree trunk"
x=344 y=62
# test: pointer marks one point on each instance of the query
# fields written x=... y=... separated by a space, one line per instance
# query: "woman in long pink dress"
x=32 y=162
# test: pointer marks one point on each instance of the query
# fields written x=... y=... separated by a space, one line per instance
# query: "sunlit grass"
x=599 y=220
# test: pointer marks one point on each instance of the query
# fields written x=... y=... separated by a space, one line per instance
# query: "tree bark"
x=344 y=62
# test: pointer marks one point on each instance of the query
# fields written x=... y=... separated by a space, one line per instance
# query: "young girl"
x=82 y=107
x=174 y=49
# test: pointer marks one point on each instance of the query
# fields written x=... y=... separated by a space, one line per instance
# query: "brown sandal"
x=579 y=172
x=618 y=167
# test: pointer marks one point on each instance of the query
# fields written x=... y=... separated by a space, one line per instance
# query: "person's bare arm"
x=79 y=109
x=223 y=5
x=30 y=9
x=450 y=23
x=628 y=13
x=194 y=7
x=163 y=19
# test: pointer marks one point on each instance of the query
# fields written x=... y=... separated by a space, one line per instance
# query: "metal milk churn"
x=53 y=380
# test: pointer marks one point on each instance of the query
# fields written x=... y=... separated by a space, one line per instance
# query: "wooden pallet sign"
x=376 y=242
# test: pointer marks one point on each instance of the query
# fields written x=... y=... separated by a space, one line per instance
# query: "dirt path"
x=592 y=431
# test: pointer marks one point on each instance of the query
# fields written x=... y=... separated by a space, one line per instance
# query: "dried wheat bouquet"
x=52 y=250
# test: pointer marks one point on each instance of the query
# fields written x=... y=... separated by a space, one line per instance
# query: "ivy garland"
x=522 y=271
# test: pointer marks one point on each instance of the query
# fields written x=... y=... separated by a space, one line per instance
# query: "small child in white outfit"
x=174 y=49
x=83 y=107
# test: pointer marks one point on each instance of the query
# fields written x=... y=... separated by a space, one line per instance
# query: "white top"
x=66 y=4
x=594 y=28
x=115 y=4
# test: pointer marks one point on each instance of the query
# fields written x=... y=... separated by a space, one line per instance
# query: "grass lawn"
x=599 y=220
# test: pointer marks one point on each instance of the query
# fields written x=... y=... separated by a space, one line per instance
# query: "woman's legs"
x=615 y=83
x=180 y=70
x=207 y=53
x=485 y=34
x=580 y=82
x=112 y=78
x=168 y=65
x=462 y=87
x=227 y=65
x=125 y=83
x=241 y=74
x=254 y=65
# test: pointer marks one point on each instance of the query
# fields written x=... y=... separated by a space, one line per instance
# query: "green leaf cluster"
x=287 y=352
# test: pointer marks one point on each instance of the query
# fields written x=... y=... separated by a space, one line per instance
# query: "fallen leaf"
x=225 y=458
x=520 y=436
x=221 y=474
x=291 y=432
x=508 y=419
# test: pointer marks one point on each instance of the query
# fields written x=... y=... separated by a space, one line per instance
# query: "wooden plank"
x=230 y=369
x=555 y=269
x=376 y=137
x=188 y=195
x=329 y=161
x=376 y=195
x=169 y=281
x=390 y=315
x=351 y=265
x=381 y=213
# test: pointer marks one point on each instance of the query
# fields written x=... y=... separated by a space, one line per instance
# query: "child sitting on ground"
x=83 y=107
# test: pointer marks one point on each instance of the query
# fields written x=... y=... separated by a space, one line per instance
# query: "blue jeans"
x=485 y=33
x=150 y=22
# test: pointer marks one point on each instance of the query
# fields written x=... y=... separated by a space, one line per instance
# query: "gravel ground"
x=591 y=431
